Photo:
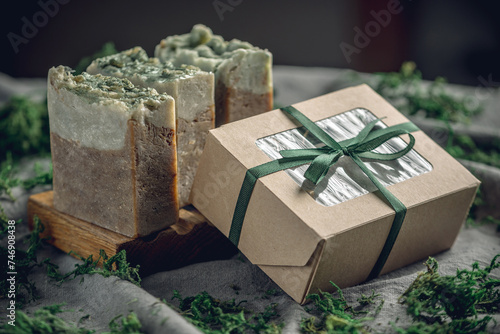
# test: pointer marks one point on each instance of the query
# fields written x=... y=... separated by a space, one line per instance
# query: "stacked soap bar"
x=114 y=152
x=193 y=92
x=127 y=135
x=243 y=73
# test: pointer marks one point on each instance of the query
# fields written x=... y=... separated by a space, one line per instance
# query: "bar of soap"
x=113 y=151
x=193 y=92
x=243 y=73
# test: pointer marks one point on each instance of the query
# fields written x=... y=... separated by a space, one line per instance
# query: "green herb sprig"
x=24 y=125
x=24 y=122
x=127 y=325
x=465 y=148
x=335 y=315
x=213 y=316
x=8 y=182
x=46 y=321
x=406 y=91
x=25 y=261
x=115 y=265
x=473 y=220
x=455 y=302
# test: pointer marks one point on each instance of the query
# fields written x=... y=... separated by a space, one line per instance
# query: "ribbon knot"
x=321 y=159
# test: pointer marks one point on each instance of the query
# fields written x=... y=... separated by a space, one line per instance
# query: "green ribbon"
x=321 y=159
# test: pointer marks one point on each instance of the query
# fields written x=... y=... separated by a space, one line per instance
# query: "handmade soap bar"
x=337 y=231
x=243 y=73
x=114 y=152
x=193 y=92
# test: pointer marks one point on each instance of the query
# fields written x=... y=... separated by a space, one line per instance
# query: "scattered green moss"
x=135 y=62
x=333 y=324
x=46 y=321
x=115 y=265
x=420 y=327
x=4 y=223
x=368 y=300
x=127 y=325
x=26 y=261
x=8 y=182
x=272 y=293
x=24 y=125
x=464 y=147
x=487 y=220
x=459 y=303
x=41 y=177
x=335 y=315
x=408 y=93
x=213 y=316
x=473 y=220
x=106 y=50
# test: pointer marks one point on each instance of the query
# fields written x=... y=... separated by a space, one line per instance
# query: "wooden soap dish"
x=193 y=239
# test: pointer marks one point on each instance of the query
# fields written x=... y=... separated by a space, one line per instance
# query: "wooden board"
x=191 y=240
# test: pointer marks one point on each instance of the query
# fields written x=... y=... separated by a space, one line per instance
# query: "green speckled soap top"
x=213 y=48
x=99 y=89
x=135 y=62
x=119 y=60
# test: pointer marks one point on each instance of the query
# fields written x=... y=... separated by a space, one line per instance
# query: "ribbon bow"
x=321 y=159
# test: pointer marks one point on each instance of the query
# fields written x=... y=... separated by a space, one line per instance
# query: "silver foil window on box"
x=345 y=180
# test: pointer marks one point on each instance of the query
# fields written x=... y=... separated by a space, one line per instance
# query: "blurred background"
x=457 y=39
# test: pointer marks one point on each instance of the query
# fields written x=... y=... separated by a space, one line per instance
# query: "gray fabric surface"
x=105 y=298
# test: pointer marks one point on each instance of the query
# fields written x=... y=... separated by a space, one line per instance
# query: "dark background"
x=457 y=39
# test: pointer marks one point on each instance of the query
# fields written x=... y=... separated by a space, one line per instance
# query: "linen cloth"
x=104 y=298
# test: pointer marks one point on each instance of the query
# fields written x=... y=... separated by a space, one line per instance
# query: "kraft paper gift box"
x=304 y=236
